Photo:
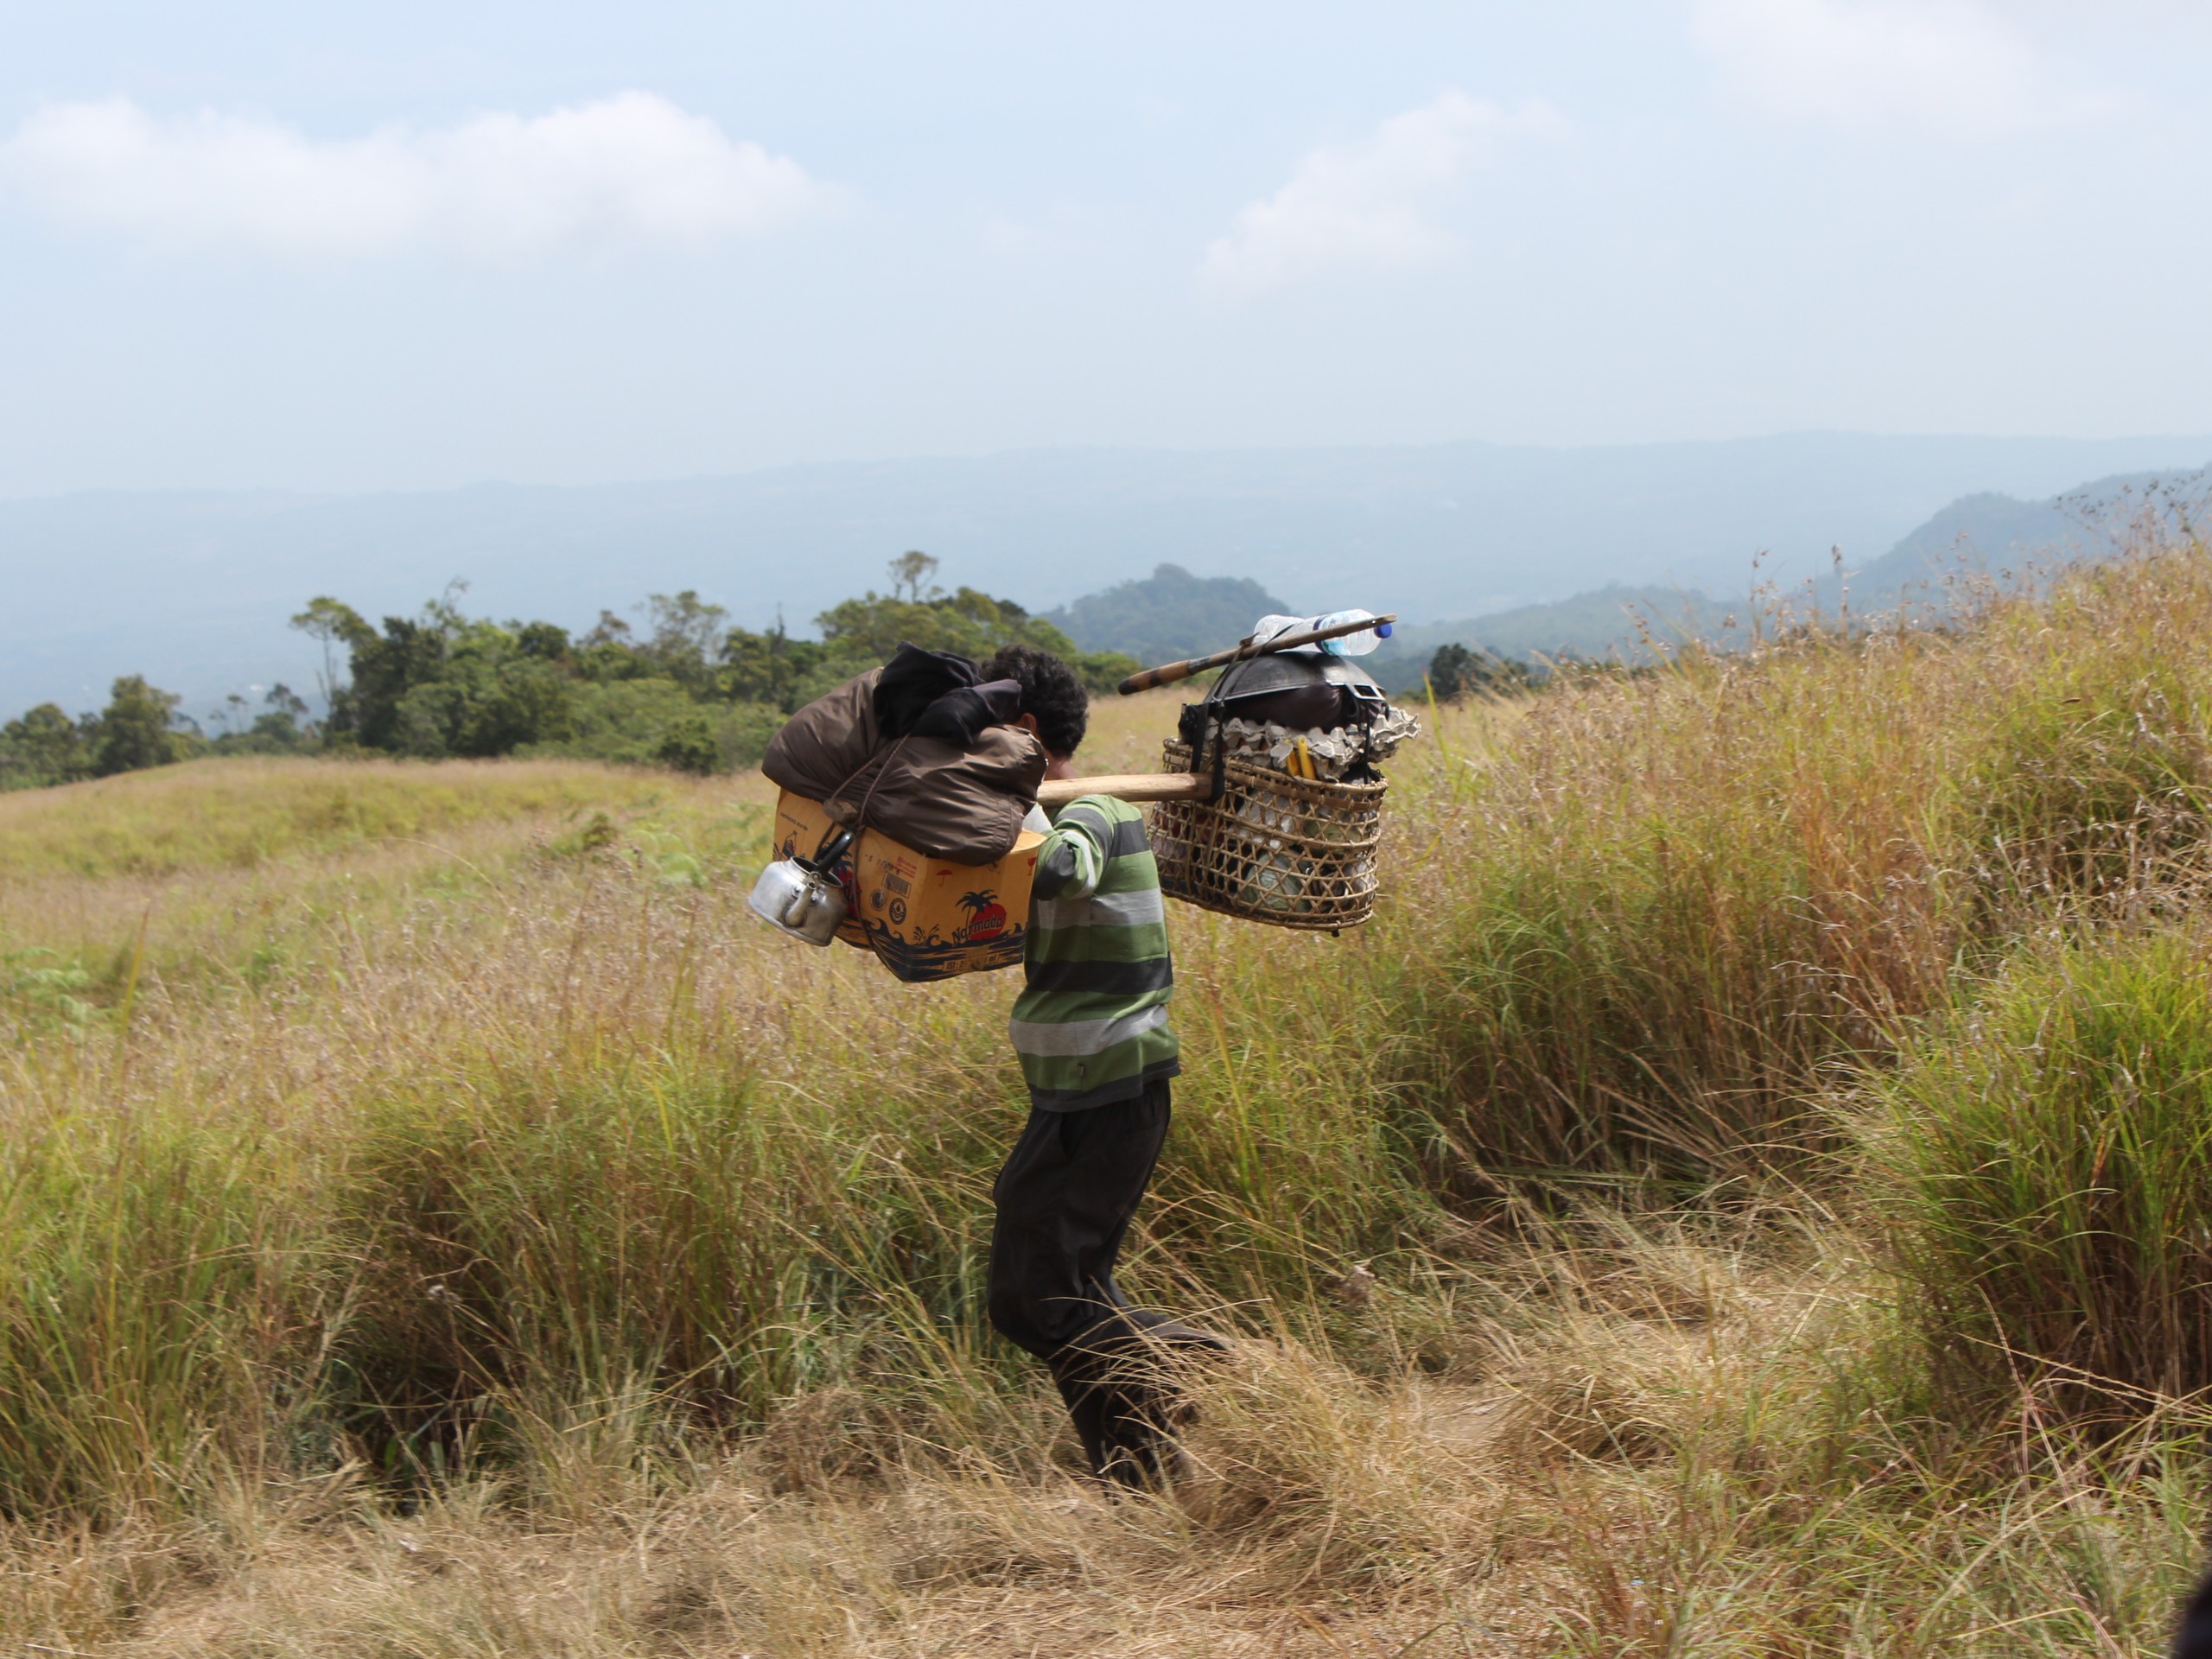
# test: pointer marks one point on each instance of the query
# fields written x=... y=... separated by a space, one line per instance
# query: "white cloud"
x=1949 y=66
x=1371 y=204
x=632 y=168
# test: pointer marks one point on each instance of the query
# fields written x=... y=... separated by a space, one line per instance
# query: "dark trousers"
x=1064 y=1200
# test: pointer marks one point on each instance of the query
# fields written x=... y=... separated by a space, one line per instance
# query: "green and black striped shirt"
x=1092 y=1023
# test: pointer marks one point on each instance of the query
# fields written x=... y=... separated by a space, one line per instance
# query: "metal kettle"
x=803 y=896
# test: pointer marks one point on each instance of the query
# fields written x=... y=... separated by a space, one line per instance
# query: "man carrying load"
x=949 y=755
x=1091 y=1027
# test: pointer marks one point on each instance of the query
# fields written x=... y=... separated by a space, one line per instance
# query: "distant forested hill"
x=1166 y=616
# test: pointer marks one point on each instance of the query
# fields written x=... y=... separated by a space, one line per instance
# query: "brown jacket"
x=944 y=801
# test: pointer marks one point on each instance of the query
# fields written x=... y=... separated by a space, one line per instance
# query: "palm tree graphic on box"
x=986 y=916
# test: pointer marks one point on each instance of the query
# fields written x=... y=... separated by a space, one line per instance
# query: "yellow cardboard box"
x=925 y=918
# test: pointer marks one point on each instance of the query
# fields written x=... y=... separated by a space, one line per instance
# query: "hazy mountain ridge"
x=1614 y=621
x=1976 y=528
x=1172 y=614
x=1987 y=533
x=1992 y=533
x=194 y=588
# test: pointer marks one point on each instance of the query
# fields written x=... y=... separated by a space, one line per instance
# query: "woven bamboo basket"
x=1292 y=852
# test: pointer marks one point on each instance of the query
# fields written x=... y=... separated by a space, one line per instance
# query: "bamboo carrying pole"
x=1171 y=672
x=1139 y=786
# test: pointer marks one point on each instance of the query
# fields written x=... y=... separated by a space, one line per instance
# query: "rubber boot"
x=1120 y=1387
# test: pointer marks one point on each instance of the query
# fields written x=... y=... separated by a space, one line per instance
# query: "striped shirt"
x=1090 y=1024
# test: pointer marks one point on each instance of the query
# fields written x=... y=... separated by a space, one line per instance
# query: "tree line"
x=681 y=688
x=141 y=727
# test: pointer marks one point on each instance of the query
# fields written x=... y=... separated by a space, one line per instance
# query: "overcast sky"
x=407 y=244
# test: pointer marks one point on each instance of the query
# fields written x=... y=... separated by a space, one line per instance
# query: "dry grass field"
x=1743 y=1195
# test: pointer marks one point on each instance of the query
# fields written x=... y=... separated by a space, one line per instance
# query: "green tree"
x=485 y=699
x=442 y=683
x=45 y=746
x=541 y=640
x=687 y=637
x=690 y=692
x=1101 y=671
x=609 y=652
x=137 y=728
x=623 y=720
x=386 y=666
x=866 y=630
x=333 y=624
x=280 y=728
x=910 y=570
x=689 y=745
x=1454 y=671
x=769 y=668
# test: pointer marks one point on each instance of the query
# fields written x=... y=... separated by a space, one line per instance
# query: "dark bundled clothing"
x=928 y=784
x=939 y=694
x=962 y=714
x=1065 y=1201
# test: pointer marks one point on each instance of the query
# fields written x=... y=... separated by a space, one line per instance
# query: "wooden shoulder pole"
x=1128 y=787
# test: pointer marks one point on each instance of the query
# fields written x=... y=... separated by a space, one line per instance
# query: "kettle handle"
x=832 y=849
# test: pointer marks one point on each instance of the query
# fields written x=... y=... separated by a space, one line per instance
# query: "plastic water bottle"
x=1349 y=645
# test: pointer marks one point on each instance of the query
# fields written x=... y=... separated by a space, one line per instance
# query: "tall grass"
x=1661 y=915
x=578 y=1124
x=543 y=1237
x=165 y=1316
x=1679 y=897
x=2048 y=1152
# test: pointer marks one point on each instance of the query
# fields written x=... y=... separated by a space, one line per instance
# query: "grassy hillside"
x=1645 y=1235
x=234 y=814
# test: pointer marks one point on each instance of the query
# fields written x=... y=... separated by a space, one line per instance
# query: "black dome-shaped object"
x=1303 y=691
x=1284 y=670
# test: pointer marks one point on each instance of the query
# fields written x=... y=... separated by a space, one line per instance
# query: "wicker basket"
x=1291 y=851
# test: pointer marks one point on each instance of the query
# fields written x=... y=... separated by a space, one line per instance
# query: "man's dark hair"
x=1050 y=691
